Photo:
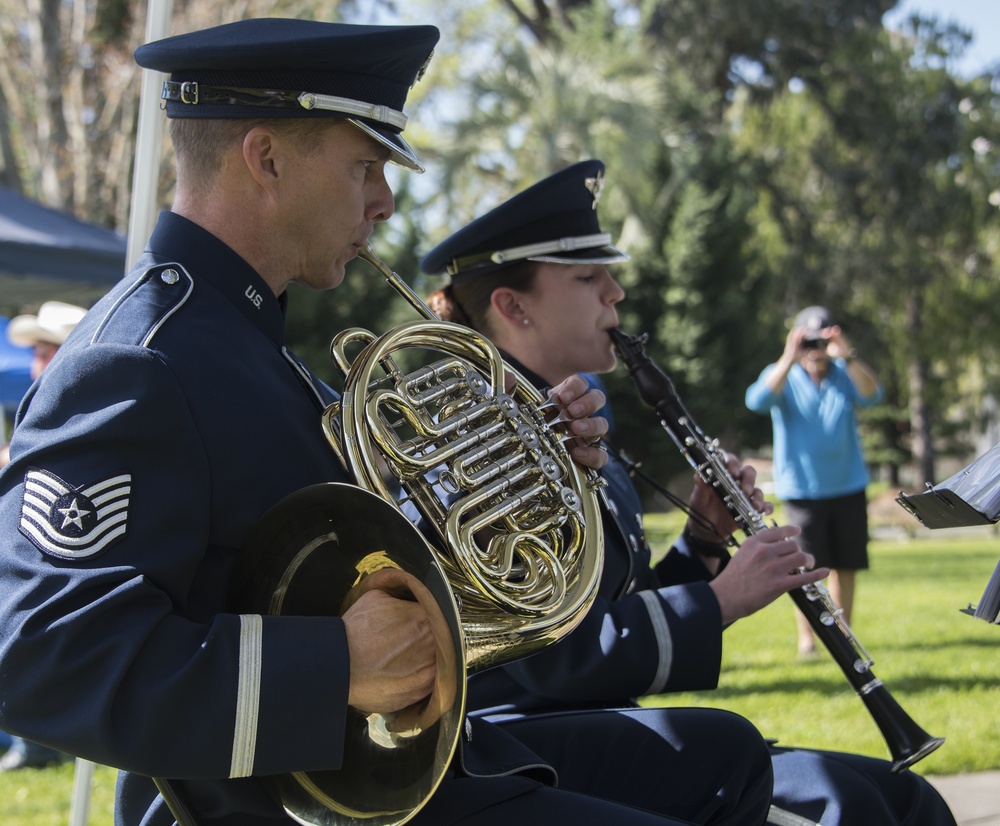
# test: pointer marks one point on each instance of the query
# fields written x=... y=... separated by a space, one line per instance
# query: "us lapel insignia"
x=74 y=522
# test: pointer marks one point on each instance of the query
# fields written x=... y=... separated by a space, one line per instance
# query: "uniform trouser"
x=838 y=789
x=636 y=766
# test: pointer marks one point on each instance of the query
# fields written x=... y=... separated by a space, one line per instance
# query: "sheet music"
x=979 y=484
x=969 y=497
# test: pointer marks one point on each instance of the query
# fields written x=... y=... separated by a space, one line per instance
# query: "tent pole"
x=149 y=137
x=142 y=212
x=80 y=802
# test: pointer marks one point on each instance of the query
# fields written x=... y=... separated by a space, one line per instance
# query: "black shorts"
x=834 y=531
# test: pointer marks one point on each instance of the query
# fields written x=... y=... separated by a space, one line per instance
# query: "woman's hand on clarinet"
x=768 y=564
x=709 y=506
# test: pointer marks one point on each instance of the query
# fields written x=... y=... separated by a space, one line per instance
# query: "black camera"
x=814 y=344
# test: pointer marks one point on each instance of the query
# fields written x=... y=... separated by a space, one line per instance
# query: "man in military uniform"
x=174 y=417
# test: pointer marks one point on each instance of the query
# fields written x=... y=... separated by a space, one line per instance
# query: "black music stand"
x=970 y=497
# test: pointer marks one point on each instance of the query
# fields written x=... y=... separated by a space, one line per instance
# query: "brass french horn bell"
x=313 y=554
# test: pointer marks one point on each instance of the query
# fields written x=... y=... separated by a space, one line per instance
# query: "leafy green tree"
x=763 y=157
x=875 y=205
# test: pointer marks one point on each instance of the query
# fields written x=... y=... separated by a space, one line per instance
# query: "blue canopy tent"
x=48 y=254
x=15 y=376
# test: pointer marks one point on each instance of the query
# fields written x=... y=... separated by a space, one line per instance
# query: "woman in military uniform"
x=532 y=275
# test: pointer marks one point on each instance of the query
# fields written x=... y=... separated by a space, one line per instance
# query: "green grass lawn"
x=42 y=797
x=941 y=666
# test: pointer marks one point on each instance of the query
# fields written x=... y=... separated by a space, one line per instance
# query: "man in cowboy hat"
x=45 y=332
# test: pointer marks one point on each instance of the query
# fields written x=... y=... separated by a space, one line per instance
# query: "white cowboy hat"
x=53 y=323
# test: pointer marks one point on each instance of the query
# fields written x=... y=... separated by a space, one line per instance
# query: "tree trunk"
x=10 y=177
x=893 y=480
x=54 y=183
x=920 y=424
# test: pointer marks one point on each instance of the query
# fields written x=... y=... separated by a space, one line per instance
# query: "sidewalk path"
x=974 y=798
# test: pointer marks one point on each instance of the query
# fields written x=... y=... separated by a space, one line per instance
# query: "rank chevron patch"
x=74 y=523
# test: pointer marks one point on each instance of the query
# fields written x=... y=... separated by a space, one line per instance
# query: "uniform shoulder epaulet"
x=155 y=295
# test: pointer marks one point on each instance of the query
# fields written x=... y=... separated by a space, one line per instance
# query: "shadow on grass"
x=832 y=686
x=950 y=644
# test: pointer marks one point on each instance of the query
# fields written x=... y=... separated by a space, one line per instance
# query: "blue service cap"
x=555 y=221
x=280 y=68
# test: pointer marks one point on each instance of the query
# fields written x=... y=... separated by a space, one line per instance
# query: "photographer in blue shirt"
x=820 y=474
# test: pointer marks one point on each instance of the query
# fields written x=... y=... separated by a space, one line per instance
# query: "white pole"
x=79 y=807
x=141 y=218
x=149 y=137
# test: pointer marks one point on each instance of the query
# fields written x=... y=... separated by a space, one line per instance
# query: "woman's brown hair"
x=467 y=301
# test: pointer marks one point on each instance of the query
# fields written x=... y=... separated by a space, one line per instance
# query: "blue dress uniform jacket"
x=608 y=656
x=122 y=513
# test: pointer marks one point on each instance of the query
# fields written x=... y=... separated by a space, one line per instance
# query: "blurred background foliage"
x=761 y=156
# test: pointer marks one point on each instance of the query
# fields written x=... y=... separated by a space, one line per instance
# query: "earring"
x=524 y=321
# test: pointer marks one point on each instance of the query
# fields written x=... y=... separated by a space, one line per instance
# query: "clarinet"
x=907 y=742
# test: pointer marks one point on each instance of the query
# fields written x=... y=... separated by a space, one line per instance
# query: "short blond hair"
x=200 y=144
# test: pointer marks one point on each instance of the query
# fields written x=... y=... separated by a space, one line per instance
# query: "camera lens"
x=813 y=343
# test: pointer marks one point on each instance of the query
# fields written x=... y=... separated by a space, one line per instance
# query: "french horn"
x=506 y=559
